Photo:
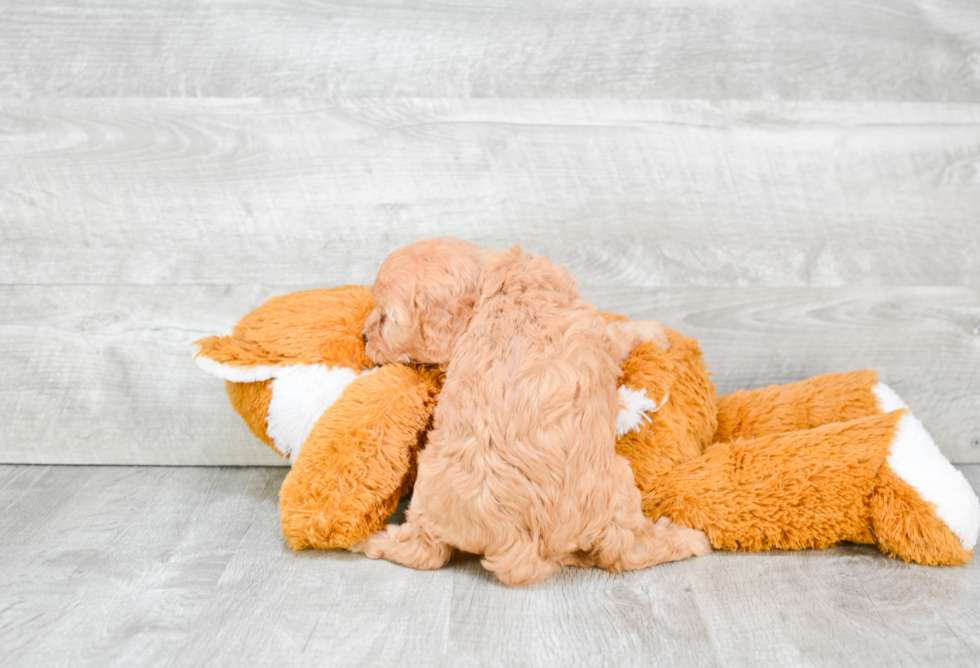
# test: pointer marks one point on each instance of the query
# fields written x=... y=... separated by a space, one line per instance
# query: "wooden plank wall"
x=795 y=183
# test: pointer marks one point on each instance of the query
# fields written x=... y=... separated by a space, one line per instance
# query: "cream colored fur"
x=635 y=409
x=521 y=463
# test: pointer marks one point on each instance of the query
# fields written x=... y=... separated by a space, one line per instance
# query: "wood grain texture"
x=894 y=50
x=111 y=566
x=797 y=184
x=103 y=374
x=121 y=566
x=625 y=193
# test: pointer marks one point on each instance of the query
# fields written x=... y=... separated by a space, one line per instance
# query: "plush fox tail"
x=781 y=479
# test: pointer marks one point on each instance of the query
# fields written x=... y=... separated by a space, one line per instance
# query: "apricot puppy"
x=520 y=465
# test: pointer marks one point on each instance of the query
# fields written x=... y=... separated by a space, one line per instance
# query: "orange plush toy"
x=808 y=465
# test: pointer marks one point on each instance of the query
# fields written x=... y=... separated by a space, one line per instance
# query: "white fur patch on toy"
x=236 y=374
x=635 y=404
x=916 y=459
x=300 y=395
x=887 y=398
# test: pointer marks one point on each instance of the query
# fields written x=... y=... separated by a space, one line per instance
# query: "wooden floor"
x=794 y=183
x=176 y=566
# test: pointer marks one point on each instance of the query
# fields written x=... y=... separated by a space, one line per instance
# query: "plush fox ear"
x=247 y=372
x=433 y=286
x=313 y=327
x=441 y=316
x=234 y=360
x=290 y=359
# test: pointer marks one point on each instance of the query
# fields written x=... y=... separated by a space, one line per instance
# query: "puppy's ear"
x=444 y=300
x=518 y=270
x=494 y=268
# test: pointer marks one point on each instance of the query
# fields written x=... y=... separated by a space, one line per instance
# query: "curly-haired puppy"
x=520 y=465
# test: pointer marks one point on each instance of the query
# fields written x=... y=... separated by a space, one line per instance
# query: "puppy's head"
x=425 y=294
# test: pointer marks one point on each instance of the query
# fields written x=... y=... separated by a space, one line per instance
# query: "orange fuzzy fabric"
x=312 y=327
x=359 y=459
x=251 y=402
x=796 y=466
x=798 y=490
x=835 y=397
x=679 y=430
x=906 y=527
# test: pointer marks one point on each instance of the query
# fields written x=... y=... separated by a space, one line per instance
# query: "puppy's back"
x=532 y=389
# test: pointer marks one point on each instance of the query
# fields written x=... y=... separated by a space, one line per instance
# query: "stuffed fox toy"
x=808 y=465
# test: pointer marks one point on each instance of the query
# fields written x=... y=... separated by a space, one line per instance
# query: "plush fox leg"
x=876 y=479
x=358 y=460
x=814 y=402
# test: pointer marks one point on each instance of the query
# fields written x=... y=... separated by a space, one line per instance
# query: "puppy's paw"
x=699 y=543
x=690 y=542
x=372 y=547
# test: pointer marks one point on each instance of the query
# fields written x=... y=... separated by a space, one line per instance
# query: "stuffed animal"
x=808 y=465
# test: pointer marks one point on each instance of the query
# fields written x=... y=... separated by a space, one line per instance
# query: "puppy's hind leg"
x=632 y=541
x=520 y=564
x=647 y=543
x=406 y=544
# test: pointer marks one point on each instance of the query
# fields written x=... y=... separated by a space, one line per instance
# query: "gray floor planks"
x=186 y=566
x=120 y=569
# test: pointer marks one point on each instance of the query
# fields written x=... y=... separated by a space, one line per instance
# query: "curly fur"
x=521 y=463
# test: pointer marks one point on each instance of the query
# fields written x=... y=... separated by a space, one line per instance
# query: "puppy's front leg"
x=406 y=544
x=629 y=334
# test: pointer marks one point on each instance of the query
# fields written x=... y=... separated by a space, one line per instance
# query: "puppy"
x=520 y=465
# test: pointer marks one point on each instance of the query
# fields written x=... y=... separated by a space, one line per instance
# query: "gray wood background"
x=797 y=184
